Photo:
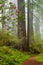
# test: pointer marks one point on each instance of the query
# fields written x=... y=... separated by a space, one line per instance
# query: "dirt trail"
x=32 y=61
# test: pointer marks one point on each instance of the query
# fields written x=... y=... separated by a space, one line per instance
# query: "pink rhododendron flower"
x=2 y=4
x=16 y=12
x=14 y=7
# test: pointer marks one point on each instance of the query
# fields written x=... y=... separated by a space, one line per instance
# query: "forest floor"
x=32 y=61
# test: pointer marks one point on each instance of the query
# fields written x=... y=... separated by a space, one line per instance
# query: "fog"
x=34 y=12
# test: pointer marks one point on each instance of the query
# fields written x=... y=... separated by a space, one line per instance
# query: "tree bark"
x=21 y=23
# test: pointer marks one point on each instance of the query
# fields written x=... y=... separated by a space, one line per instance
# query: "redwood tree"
x=21 y=23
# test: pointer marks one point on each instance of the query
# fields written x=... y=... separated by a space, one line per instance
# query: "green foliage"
x=36 y=48
x=21 y=45
x=39 y=58
x=2 y=1
x=37 y=45
x=7 y=38
x=10 y=56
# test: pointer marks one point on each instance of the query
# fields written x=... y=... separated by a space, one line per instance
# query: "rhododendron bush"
x=8 y=16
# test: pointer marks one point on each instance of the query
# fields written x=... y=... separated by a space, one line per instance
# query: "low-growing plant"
x=36 y=48
x=39 y=58
x=10 y=56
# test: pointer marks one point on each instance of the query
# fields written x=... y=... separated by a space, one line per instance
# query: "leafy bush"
x=7 y=38
x=36 y=48
x=10 y=56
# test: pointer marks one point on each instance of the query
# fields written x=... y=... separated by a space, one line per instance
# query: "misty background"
x=37 y=15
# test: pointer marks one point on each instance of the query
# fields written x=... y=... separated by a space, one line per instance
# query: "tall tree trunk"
x=21 y=23
x=30 y=25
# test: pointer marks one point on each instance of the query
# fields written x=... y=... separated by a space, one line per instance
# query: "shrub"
x=8 y=39
x=36 y=48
